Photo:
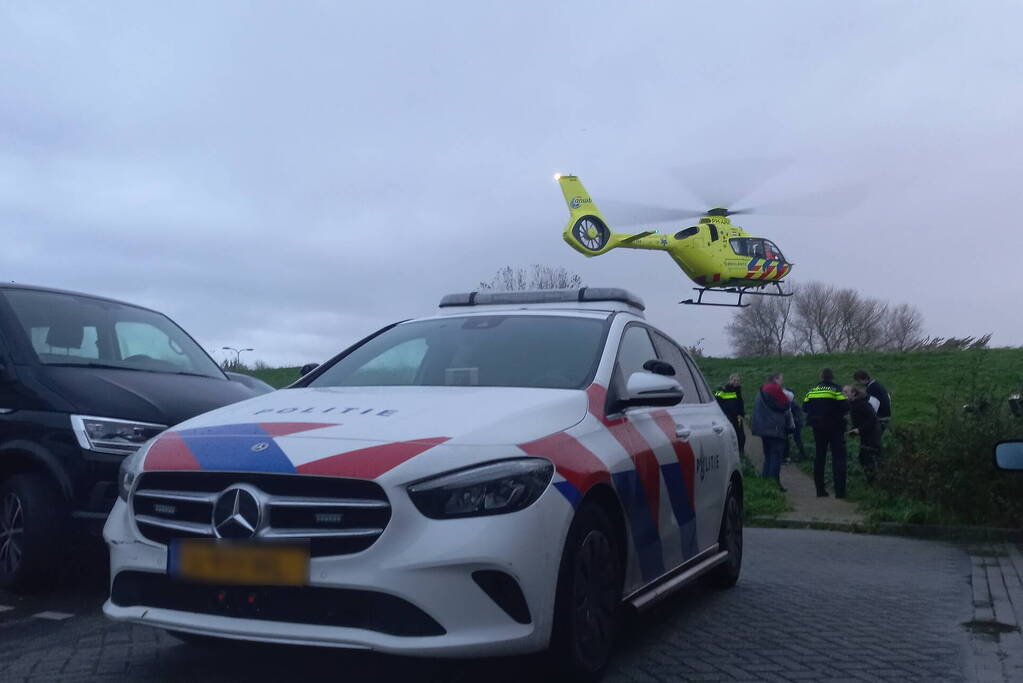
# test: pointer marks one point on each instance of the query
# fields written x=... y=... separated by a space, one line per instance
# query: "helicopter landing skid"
x=741 y=291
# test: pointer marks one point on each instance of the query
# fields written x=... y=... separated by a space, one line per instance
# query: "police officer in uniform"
x=729 y=397
x=826 y=406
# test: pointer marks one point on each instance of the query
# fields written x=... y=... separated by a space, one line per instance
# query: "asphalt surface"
x=811 y=605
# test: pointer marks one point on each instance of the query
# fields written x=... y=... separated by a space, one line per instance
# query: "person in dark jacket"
x=825 y=406
x=865 y=423
x=876 y=390
x=770 y=420
x=729 y=397
x=796 y=428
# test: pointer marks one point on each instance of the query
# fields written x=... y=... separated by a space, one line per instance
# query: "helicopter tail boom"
x=587 y=230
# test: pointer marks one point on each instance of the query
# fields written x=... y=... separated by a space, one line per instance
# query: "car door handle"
x=683 y=432
x=719 y=429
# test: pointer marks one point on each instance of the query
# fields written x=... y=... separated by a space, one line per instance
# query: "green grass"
x=761 y=497
x=276 y=377
x=915 y=380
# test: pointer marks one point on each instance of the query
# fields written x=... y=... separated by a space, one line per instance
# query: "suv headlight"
x=493 y=489
x=108 y=435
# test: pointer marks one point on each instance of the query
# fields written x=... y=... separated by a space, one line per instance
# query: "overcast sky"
x=290 y=176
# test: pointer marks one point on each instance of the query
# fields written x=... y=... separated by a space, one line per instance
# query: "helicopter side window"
x=772 y=252
x=688 y=232
x=740 y=245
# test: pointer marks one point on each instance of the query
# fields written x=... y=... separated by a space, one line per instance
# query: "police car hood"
x=365 y=431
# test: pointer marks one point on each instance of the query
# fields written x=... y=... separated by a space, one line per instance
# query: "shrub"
x=944 y=468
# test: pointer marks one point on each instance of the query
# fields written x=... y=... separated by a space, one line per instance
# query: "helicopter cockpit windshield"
x=757 y=247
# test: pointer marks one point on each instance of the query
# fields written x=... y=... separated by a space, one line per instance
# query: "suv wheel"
x=588 y=598
x=726 y=574
x=31 y=530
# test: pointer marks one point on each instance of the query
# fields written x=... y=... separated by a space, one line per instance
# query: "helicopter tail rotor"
x=587 y=231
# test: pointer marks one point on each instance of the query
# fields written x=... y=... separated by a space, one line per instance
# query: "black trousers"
x=869 y=458
x=740 y=433
x=833 y=437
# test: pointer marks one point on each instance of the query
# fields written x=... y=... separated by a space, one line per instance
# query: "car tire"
x=33 y=527
x=726 y=574
x=589 y=595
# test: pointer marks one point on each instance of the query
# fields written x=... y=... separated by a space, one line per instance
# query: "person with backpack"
x=826 y=406
x=729 y=397
x=867 y=425
x=770 y=419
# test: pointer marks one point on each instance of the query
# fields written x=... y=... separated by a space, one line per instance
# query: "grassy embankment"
x=917 y=382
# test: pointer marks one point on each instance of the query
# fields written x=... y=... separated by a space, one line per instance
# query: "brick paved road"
x=811 y=605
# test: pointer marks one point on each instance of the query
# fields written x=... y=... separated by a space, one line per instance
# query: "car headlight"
x=107 y=435
x=127 y=472
x=493 y=489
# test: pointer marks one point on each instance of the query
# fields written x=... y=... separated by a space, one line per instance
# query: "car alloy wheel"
x=594 y=596
x=12 y=529
x=733 y=532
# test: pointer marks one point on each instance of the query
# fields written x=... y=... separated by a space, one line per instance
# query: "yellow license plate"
x=244 y=564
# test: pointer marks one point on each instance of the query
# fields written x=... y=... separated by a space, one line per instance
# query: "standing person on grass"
x=879 y=394
x=865 y=423
x=770 y=420
x=729 y=397
x=825 y=406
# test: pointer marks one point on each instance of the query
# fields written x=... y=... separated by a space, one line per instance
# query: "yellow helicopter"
x=716 y=254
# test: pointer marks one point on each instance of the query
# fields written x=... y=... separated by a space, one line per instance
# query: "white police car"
x=500 y=478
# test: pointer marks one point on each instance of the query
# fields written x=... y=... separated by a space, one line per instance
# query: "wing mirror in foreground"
x=649 y=389
x=307 y=368
x=1009 y=455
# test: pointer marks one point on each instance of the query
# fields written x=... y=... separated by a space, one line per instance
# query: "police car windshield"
x=72 y=330
x=552 y=352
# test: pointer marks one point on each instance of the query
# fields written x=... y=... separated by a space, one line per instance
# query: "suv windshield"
x=65 y=329
x=494 y=351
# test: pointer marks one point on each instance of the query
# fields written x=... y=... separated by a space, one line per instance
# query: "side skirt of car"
x=660 y=588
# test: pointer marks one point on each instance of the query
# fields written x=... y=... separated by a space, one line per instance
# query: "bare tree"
x=821 y=318
x=538 y=276
x=903 y=328
x=760 y=329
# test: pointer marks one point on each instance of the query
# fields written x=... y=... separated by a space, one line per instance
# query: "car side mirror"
x=649 y=389
x=307 y=368
x=1009 y=455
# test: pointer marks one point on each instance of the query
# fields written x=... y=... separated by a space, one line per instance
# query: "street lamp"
x=237 y=353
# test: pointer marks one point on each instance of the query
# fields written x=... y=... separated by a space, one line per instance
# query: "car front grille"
x=337 y=516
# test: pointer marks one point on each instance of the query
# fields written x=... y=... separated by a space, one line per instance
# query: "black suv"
x=84 y=381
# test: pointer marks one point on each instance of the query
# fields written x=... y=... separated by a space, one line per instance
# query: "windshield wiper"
x=192 y=374
x=96 y=365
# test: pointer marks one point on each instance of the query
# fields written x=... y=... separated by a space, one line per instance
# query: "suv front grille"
x=338 y=516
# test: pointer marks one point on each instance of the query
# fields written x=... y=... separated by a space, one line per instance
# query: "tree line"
x=823 y=318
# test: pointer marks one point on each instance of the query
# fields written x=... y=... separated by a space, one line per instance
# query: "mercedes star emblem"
x=236 y=514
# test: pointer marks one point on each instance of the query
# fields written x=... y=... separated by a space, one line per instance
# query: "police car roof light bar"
x=544 y=296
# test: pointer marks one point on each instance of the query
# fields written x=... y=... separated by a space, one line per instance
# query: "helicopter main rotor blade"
x=634 y=213
x=727 y=182
x=832 y=202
